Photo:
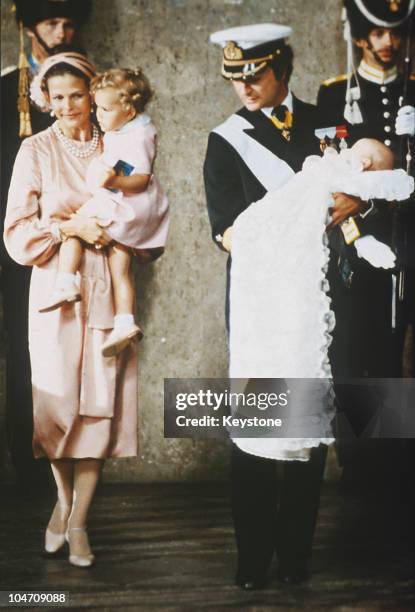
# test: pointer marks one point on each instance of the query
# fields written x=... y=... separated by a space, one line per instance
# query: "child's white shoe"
x=119 y=338
x=61 y=296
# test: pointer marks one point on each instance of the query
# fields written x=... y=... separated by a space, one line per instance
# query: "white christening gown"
x=280 y=316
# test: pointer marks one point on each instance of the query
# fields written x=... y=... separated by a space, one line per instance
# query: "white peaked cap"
x=251 y=35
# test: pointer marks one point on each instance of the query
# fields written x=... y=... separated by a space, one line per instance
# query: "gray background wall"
x=181 y=296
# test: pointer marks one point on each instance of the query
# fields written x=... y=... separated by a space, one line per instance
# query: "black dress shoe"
x=292 y=574
x=251 y=584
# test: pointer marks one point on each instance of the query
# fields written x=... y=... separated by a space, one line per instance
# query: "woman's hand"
x=88 y=229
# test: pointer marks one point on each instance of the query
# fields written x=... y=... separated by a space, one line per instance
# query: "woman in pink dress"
x=127 y=198
x=85 y=406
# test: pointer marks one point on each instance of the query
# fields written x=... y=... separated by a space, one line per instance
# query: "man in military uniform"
x=48 y=23
x=369 y=102
x=373 y=101
x=256 y=150
x=369 y=99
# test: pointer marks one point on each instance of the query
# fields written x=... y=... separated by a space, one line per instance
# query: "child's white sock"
x=123 y=320
x=64 y=280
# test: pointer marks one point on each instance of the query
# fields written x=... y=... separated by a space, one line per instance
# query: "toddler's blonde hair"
x=133 y=86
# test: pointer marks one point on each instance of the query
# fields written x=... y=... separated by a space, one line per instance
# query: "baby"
x=348 y=168
x=127 y=198
x=344 y=173
x=280 y=316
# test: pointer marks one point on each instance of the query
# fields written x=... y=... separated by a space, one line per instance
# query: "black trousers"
x=274 y=512
x=15 y=283
x=364 y=346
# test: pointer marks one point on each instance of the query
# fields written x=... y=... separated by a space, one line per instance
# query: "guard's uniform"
x=379 y=104
x=363 y=339
x=370 y=320
x=10 y=140
x=15 y=281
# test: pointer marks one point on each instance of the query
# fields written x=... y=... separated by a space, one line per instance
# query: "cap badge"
x=394 y=5
x=232 y=51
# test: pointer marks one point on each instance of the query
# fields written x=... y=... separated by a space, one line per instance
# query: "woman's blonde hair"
x=133 y=86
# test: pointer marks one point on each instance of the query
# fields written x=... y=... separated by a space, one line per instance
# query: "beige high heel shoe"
x=55 y=541
x=79 y=560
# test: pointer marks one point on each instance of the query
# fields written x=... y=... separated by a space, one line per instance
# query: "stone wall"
x=181 y=296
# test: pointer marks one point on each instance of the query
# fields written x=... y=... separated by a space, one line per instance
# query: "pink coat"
x=85 y=405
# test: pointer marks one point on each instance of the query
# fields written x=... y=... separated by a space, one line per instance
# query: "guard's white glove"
x=405 y=121
x=378 y=254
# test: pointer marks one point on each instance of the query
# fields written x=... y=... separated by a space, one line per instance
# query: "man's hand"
x=344 y=206
x=405 y=121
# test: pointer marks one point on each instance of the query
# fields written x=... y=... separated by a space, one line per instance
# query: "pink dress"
x=139 y=221
x=84 y=404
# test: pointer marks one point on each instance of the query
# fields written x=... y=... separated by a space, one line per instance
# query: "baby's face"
x=111 y=114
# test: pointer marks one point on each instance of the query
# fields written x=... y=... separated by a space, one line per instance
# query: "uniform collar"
x=380 y=77
x=288 y=102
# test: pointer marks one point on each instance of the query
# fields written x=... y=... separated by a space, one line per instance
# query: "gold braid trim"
x=258 y=62
x=255 y=60
x=239 y=75
x=23 y=91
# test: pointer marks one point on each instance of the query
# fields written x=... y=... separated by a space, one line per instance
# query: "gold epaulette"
x=337 y=79
x=7 y=70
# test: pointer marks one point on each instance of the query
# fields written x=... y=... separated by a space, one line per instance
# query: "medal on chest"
x=284 y=126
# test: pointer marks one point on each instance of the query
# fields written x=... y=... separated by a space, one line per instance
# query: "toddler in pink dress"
x=127 y=199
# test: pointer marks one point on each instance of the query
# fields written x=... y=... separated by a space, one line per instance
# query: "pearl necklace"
x=81 y=152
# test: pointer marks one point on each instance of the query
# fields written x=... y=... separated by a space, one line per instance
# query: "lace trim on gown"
x=281 y=320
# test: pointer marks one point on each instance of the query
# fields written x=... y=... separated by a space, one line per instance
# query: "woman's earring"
x=52 y=113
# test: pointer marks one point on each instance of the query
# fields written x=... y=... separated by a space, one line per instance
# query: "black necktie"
x=280 y=112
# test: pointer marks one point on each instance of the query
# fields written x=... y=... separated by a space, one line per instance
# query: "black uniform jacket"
x=379 y=105
x=10 y=142
x=231 y=186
